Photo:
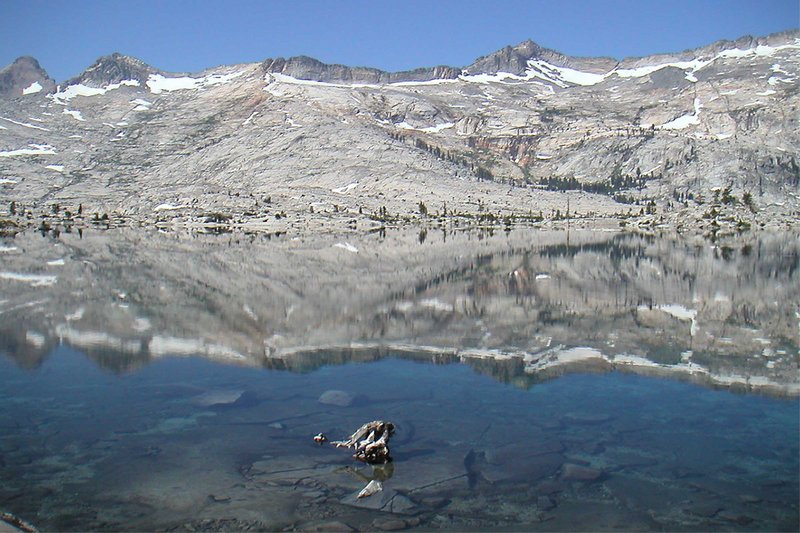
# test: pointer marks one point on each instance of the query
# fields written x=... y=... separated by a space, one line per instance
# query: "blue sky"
x=187 y=36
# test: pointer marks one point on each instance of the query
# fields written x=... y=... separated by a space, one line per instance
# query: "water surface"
x=539 y=381
x=83 y=449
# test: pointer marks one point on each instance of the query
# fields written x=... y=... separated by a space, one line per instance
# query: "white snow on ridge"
x=488 y=78
x=437 y=81
x=37 y=149
x=33 y=88
x=273 y=77
x=8 y=181
x=158 y=83
x=57 y=168
x=561 y=76
x=62 y=97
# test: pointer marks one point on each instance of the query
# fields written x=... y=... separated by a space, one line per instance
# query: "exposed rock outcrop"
x=308 y=68
x=24 y=76
x=113 y=68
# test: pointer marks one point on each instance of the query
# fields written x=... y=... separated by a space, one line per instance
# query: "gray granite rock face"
x=21 y=74
x=113 y=68
x=308 y=68
x=661 y=137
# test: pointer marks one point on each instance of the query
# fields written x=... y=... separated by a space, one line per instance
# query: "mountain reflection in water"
x=521 y=307
x=163 y=382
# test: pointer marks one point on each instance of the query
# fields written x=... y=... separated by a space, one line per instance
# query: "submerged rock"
x=588 y=419
x=545 y=503
x=334 y=526
x=573 y=472
x=217 y=397
x=339 y=398
x=388 y=501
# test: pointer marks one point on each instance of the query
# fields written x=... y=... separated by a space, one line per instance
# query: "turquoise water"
x=187 y=444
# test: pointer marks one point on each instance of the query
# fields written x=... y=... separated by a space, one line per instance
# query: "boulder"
x=339 y=398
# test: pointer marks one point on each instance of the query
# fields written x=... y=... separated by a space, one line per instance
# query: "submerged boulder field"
x=701 y=140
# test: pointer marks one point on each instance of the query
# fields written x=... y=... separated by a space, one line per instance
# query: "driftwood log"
x=370 y=442
x=371 y=445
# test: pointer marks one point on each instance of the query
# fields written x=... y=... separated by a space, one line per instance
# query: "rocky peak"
x=308 y=68
x=514 y=60
x=22 y=76
x=113 y=68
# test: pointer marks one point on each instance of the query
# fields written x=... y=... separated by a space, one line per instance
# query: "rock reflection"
x=521 y=307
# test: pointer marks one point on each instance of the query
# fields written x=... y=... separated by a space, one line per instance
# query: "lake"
x=537 y=380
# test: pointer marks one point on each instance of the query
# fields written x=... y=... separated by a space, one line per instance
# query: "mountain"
x=307 y=68
x=114 y=68
x=704 y=140
x=24 y=76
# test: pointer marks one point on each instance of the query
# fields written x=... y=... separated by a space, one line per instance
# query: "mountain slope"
x=674 y=134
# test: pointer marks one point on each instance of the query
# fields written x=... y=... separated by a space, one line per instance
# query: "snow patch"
x=7 y=181
x=682 y=313
x=169 y=207
x=438 y=81
x=25 y=124
x=33 y=88
x=346 y=246
x=346 y=189
x=6 y=249
x=57 y=168
x=250 y=118
x=62 y=97
x=562 y=75
x=774 y=80
x=56 y=262
x=438 y=127
x=36 y=149
x=625 y=359
x=158 y=83
x=35 y=280
x=432 y=129
x=436 y=305
x=163 y=346
x=77 y=315
x=686 y=120
x=74 y=114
